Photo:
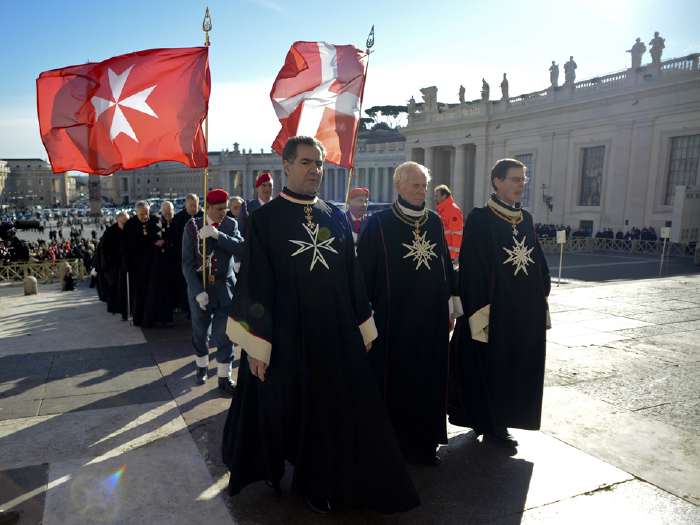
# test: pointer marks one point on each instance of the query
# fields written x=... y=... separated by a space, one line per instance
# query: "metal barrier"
x=631 y=247
x=44 y=271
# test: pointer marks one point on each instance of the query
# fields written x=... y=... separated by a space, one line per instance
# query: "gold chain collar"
x=513 y=219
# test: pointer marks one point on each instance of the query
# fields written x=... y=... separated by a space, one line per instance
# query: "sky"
x=418 y=44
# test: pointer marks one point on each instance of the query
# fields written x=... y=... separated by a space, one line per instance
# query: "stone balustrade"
x=618 y=79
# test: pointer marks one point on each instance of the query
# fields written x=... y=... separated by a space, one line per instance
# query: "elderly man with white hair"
x=112 y=270
x=162 y=283
x=410 y=283
x=140 y=238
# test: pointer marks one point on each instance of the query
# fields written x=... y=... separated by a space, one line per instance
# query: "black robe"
x=319 y=407
x=164 y=272
x=112 y=269
x=138 y=253
x=410 y=298
x=500 y=383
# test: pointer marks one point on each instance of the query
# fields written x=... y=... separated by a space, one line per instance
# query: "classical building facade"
x=4 y=173
x=30 y=182
x=605 y=152
x=378 y=153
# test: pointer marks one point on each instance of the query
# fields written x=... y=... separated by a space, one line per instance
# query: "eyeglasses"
x=519 y=180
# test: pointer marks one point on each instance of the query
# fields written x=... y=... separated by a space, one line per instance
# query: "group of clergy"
x=345 y=329
x=137 y=266
x=350 y=367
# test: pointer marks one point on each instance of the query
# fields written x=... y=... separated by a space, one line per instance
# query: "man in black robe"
x=164 y=272
x=181 y=218
x=498 y=349
x=112 y=267
x=306 y=390
x=409 y=277
x=139 y=249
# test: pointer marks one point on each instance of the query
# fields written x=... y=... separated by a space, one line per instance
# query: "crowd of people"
x=549 y=231
x=346 y=322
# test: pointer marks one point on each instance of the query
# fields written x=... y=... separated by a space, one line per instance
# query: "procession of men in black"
x=388 y=305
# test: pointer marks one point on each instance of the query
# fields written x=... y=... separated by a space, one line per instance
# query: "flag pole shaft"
x=206 y=27
x=351 y=171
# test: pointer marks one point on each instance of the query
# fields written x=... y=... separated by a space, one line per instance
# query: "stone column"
x=428 y=159
x=481 y=180
x=429 y=162
x=459 y=174
x=95 y=193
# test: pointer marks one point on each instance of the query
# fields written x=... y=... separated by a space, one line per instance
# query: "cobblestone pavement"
x=101 y=422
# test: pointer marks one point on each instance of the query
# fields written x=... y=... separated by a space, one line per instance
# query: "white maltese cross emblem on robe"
x=519 y=256
x=315 y=246
x=421 y=249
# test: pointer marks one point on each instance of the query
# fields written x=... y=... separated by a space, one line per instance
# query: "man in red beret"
x=210 y=302
x=357 y=212
x=263 y=189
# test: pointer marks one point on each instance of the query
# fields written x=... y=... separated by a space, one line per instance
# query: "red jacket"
x=453 y=223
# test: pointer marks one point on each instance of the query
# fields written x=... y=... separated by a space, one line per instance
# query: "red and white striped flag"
x=318 y=92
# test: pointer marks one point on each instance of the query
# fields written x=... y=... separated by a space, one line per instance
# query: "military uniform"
x=209 y=305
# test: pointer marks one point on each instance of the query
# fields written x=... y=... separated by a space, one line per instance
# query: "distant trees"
x=389 y=117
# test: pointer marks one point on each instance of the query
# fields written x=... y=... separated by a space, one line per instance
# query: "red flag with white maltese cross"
x=126 y=112
x=318 y=92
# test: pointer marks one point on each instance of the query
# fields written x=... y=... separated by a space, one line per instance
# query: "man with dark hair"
x=306 y=390
x=452 y=220
x=498 y=348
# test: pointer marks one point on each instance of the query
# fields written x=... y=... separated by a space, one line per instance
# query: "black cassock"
x=499 y=383
x=301 y=301
x=162 y=282
x=410 y=281
x=138 y=253
x=112 y=269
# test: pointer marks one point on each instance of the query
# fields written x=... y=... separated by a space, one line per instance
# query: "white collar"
x=209 y=221
x=409 y=211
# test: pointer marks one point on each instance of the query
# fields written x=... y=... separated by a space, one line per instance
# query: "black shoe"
x=227 y=385
x=318 y=505
x=201 y=375
x=501 y=438
x=9 y=517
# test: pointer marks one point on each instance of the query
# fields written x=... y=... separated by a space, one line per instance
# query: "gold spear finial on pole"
x=370 y=44
x=206 y=27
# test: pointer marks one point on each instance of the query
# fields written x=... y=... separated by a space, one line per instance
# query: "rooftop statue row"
x=657 y=45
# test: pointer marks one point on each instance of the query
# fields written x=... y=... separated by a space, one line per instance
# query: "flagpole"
x=370 y=45
x=206 y=27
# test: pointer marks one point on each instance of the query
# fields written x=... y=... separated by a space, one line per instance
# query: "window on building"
x=593 y=160
x=683 y=164
x=586 y=226
x=528 y=160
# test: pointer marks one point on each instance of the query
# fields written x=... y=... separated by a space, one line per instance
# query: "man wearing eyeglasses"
x=498 y=349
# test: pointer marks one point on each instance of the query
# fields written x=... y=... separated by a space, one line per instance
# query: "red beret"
x=262 y=178
x=217 y=196
x=359 y=192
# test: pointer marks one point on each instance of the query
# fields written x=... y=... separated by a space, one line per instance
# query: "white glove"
x=203 y=300
x=208 y=231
